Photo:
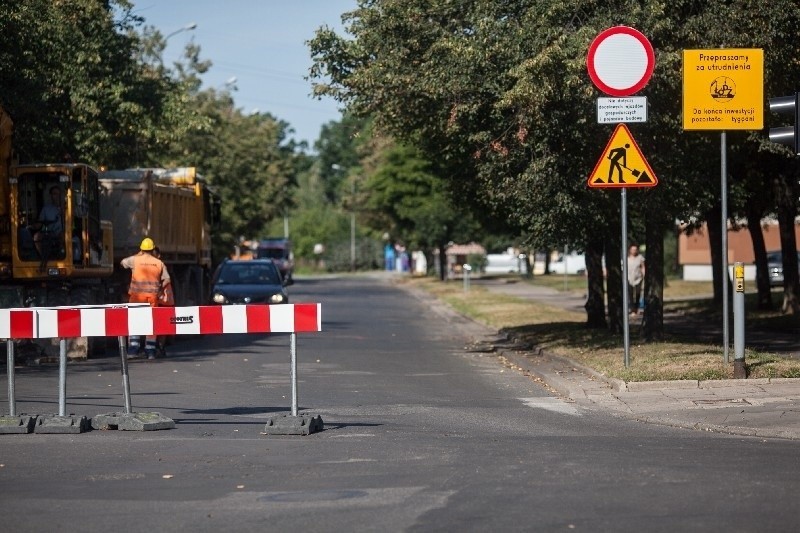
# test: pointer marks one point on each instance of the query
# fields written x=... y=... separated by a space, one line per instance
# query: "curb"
x=619 y=385
x=548 y=368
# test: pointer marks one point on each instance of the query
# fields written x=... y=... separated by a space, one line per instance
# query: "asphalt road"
x=420 y=434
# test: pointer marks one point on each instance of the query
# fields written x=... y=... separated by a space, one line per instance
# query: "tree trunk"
x=595 y=300
x=654 y=279
x=714 y=225
x=754 y=215
x=614 y=283
x=530 y=263
x=442 y=262
x=786 y=200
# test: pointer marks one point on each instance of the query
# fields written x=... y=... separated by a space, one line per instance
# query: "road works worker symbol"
x=622 y=164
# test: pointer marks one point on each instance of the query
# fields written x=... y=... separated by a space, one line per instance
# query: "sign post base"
x=133 y=422
x=61 y=424
x=17 y=424
x=293 y=425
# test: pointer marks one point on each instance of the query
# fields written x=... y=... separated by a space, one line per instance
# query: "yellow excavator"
x=54 y=248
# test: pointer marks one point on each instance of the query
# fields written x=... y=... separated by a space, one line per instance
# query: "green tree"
x=71 y=78
x=337 y=147
x=249 y=159
x=498 y=92
x=407 y=200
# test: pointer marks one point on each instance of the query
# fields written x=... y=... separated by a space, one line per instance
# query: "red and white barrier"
x=115 y=321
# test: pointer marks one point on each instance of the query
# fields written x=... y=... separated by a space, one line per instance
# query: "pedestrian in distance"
x=149 y=277
x=388 y=256
x=635 y=278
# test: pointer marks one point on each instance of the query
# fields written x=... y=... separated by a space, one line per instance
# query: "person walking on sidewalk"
x=149 y=277
x=635 y=278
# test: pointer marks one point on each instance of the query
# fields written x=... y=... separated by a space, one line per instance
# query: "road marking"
x=551 y=404
x=350 y=461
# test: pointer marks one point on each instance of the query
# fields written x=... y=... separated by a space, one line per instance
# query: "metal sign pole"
x=12 y=402
x=739 y=368
x=624 y=254
x=724 y=198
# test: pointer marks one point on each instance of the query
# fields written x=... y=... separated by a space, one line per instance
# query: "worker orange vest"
x=146 y=275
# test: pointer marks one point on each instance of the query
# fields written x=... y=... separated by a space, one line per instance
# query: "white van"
x=572 y=263
x=505 y=263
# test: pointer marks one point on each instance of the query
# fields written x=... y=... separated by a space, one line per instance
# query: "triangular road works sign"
x=622 y=164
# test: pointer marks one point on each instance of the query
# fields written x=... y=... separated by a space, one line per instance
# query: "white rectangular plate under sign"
x=616 y=110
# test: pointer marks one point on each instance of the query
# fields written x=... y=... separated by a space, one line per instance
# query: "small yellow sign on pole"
x=738 y=275
x=723 y=89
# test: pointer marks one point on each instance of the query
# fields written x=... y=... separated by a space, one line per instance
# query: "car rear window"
x=249 y=274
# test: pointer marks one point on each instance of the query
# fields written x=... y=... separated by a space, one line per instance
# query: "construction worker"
x=149 y=277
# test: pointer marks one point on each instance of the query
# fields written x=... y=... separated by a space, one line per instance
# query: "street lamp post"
x=353 y=226
x=336 y=167
x=188 y=27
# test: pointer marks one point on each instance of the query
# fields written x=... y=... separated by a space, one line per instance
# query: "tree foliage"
x=70 y=78
x=84 y=79
x=498 y=93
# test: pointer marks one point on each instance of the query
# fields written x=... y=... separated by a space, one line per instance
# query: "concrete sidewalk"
x=757 y=407
x=754 y=407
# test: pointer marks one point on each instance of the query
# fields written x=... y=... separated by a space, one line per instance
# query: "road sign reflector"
x=622 y=164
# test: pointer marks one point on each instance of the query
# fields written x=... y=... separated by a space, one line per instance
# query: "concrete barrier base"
x=61 y=424
x=17 y=424
x=293 y=425
x=133 y=421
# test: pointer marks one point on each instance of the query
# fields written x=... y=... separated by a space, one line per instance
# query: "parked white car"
x=572 y=263
x=507 y=263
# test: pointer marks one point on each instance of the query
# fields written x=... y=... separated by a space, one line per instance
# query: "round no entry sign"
x=620 y=61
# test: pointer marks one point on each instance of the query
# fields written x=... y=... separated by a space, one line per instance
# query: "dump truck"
x=55 y=248
x=280 y=251
x=178 y=210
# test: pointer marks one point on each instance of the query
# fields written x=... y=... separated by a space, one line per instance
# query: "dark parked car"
x=248 y=282
x=775 y=267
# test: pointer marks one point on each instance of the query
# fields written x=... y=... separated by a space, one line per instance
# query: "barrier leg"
x=62 y=377
x=62 y=423
x=126 y=383
x=293 y=350
x=13 y=423
x=293 y=424
x=12 y=402
x=130 y=421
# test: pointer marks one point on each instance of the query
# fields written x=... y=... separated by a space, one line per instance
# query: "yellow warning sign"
x=738 y=275
x=723 y=89
x=622 y=164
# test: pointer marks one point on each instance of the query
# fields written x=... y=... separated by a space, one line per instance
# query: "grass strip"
x=564 y=333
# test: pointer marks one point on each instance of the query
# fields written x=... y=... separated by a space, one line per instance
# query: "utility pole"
x=353 y=225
